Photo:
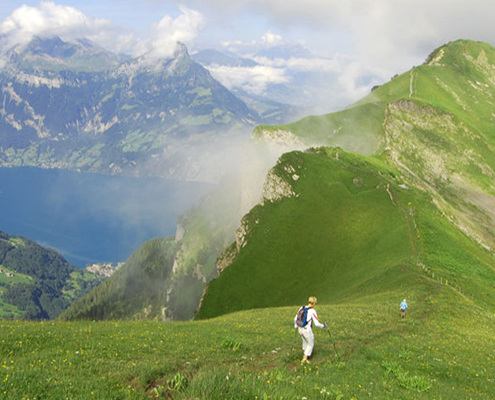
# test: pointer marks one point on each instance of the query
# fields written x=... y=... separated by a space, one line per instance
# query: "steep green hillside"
x=357 y=129
x=36 y=282
x=345 y=227
x=435 y=124
x=457 y=78
x=332 y=232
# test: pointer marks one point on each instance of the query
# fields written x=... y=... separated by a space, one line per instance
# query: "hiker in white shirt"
x=306 y=333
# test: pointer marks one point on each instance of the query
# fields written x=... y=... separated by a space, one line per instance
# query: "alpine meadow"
x=391 y=198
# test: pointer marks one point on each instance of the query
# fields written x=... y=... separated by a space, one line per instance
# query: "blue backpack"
x=302 y=317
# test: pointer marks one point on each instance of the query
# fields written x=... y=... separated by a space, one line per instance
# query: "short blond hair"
x=312 y=300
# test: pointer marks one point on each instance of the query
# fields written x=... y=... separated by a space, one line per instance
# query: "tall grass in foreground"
x=442 y=350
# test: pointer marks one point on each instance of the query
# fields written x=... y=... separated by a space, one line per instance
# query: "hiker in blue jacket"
x=403 y=307
x=306 y=333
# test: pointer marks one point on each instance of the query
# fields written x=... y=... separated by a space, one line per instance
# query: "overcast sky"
x=352 y=38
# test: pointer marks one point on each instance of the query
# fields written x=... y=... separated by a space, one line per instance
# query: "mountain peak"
x=55 y=54
x=181 y=50
x=454 y=50
x=53 y=47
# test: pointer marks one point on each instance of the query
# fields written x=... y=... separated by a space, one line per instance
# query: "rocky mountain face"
x=77 y=106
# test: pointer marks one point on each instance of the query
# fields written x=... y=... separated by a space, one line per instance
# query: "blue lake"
x=89 y=217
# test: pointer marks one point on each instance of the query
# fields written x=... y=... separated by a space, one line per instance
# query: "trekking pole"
x=294 y=340
x=331 y=339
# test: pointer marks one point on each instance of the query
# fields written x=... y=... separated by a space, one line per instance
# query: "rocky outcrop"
x=227 y=257
x=278 y=187
x=278 y=137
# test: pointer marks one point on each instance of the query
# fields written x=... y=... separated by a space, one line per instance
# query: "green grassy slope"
x=457 y=81
x=436 y=352
x=434 y=130
x=351 y=229
x=457 y=78
x=434 y=123
x=334 y=234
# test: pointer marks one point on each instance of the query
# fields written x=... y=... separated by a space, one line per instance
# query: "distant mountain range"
x=275 y=103
x=75 y=105
x=288 y=74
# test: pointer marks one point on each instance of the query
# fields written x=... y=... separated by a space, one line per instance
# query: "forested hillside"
x=164 y=279
x=36 y=282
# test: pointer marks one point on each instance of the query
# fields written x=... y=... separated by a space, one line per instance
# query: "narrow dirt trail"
x=411 y=84
x=411 y=225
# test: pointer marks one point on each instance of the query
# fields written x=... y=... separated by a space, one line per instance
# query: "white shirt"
x=311 y=317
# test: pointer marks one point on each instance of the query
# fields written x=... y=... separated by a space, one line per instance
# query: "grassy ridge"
x=457 y=78
x=351 y=230
x=357 y=129
x=360 y=233
x=438 y=351
x=343 y=228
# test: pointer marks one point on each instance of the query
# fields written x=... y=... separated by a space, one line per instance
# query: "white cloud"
x=270 y=39
x=349 y=79
x=267 y=40
x=391 y=35
x=254 y=80
x=49 y=19
x=302 y=64
x=166 y=33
